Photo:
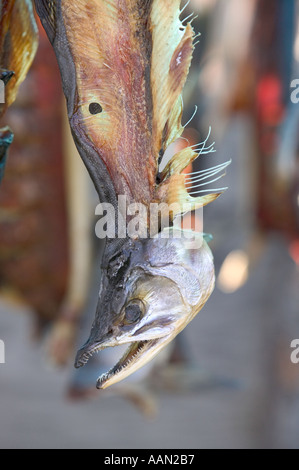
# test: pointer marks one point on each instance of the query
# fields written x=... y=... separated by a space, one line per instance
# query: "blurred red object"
x=33 y=215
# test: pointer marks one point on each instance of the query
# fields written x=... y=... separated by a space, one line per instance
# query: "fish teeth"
x=107 y=375
x=86 y=356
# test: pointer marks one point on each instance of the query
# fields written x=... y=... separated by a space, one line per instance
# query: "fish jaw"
x=138 y=354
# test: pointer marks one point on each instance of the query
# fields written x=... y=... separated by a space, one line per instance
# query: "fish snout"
x=90 y=348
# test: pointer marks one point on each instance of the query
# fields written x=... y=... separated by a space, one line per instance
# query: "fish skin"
x=128 y=61
x=137 y=79
x=18 y=45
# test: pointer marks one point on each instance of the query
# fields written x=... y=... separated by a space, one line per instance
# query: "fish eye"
x=95 y=108
x=133 y=311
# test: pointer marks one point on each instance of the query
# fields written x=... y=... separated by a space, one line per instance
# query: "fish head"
x=149 y=292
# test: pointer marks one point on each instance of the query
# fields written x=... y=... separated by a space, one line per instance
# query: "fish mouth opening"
x=128 y=360
x=134 y=357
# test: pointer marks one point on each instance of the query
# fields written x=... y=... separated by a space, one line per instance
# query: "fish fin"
x=180 y=161
x=177 y=194
x=171 y=60
x=182 y=188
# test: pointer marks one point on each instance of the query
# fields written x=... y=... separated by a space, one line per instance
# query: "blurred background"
x=228 y=382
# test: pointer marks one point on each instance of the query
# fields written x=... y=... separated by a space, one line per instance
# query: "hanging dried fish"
x=18 y=45
x=124 y=64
